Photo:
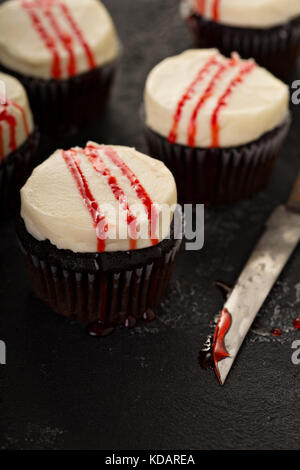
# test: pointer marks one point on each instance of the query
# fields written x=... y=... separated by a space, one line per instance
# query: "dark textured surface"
x=143 y=389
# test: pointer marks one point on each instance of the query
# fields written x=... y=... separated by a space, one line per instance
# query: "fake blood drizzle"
x=65 y=39
x=207 y=94
x=201 y=6
x=10 y=119
x=215 y=128
x=140 y=192
x=79 y=34
x=222 y=68
x=99 y=221
x=215 y=12
x=219 y=350
x=46 y=7
x=187 y=96
x=119 y=194
x=46 y=38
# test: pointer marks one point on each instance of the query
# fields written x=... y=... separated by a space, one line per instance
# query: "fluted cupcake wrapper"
x=14 y=171
x=219 y=175
x=276 y=48
x=61 y=107
x=107 y=296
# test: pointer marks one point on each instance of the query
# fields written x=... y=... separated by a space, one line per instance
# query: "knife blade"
x=281 y=236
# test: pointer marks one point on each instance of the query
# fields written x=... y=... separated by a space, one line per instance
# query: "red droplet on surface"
x=130 y=322
x=276 y=332
x=296 y=323
x=99 y=329
x=149 y=315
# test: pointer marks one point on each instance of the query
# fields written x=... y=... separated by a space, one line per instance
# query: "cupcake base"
x=14 y=171
x=219 y=175
x=99 y=289
x=276 y=48
x=62 y=107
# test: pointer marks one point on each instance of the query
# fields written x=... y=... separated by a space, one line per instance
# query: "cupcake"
x=268 y=31
x=65 y=53
x=18 y=142
x=97 y=230
x=217 y=123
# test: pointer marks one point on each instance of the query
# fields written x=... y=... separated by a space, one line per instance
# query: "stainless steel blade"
x=273 y=250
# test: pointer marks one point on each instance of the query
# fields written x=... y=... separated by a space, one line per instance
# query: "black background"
x=143 y=388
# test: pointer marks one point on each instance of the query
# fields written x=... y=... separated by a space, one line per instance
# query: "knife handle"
x=293 y=203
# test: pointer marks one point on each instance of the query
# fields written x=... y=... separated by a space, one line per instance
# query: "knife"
x=281 y=236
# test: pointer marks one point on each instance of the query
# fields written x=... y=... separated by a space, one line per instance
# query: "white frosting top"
x=55 y=38
x=64 y=196
x=247 y=13
x=200 y=98
x=16 y=122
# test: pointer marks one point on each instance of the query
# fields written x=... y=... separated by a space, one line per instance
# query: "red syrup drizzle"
x=99 y=220
x=65 y=39
x=140 y=191
x=219 y=351
x=208 y=93
x=216 y=10
x=296 y=323
x=46 y=7
x=12 y=123
x=11 y=120
x=222 y=102
x=215 y=13
x=46 y=38
x=201 y=6
x=79 y=34
x=21 y=110
x=187 y=96
x=119 y=194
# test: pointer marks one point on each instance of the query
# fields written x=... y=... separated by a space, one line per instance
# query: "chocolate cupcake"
x=217 y=123
x=18 y=142
x=97 y=232
x=266 y=30
x=65 y=54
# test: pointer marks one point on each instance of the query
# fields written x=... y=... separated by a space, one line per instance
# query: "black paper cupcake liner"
x=99 y=289
x=219 y=175
x=14 y=171
x=276 y=48
x=62 y=107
